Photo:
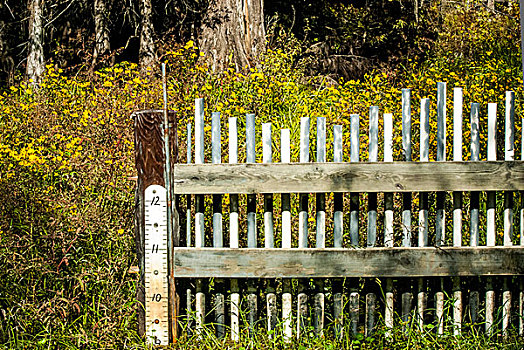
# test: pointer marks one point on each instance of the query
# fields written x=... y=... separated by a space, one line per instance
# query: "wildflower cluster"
x=67 y=151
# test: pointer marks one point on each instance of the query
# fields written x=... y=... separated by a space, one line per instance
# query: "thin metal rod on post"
x=172 y=307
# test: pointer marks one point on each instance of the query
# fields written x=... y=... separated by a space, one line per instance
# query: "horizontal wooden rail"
x=348 y=177
x=336 y=262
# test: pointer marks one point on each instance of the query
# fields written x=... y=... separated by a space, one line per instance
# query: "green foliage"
x=66 y=152
x=351 y=39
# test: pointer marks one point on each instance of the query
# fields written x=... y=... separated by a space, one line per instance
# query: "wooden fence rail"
x=275 y=247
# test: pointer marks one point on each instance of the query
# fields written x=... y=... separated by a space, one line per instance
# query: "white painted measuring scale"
x=156 y=285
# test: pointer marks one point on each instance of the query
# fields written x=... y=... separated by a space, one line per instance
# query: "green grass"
x=397 y=339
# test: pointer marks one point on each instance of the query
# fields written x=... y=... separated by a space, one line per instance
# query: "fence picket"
x=372 y=217
x=490 y=216
x=388 y=197
x=189 y=292
x=285 y=155
x=271 y=298
x=424 y=157
x=440 y=224
x=233 y=198
x=338 y=231
x=492 y=155
x=388 y=220
x=423 y=209
x=509 y=150
x=303 y=197
x=354 y=197
x=407 y=295
x=474 y=296
x=321 y=197
x=373 y=157
x=267 y=157
x=302 y=299
x=406 y=148
x=200 y=297
x=338 y=216
x=216 y=158
x=457 y=207
x=475 y=157
x=354 y=207
x=287 y=301
x=252 y=302
x=233 y=233
x=319 y=302
x=457 y=157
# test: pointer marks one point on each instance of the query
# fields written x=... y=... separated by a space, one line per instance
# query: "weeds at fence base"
x=399 y=337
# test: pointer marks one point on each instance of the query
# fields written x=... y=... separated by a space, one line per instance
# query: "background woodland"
x=72 y=72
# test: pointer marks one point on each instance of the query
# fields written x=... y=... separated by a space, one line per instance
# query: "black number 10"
x=156 y=297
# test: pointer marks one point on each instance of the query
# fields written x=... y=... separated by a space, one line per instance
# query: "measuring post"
x=156 y=295
x=156 y=261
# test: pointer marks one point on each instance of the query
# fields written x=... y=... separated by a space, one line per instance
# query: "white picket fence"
x=299 y=274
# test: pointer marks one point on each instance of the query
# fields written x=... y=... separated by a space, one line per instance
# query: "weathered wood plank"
x=348 y=177
x=333 y=262
x=149 y=160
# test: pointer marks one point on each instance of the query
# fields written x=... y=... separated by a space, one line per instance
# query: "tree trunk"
x=146 y=54
x=35 y=57
x=233 y=33
x=102 y=45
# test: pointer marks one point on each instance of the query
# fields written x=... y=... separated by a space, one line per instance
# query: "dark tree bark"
x=233 y=33
x=102 y=45
x=146 y=54
x=35 y=57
